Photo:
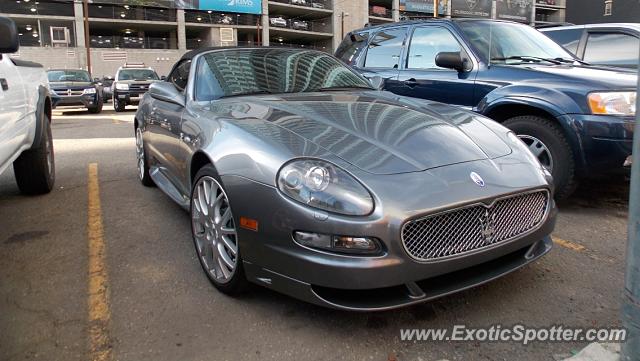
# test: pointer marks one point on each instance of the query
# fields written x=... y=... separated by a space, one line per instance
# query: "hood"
x=377 y=132
x=70 y=84
x=586 y=78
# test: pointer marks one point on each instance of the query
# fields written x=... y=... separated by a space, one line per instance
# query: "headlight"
x=323 y=185
x=122 y=86
x=613 y=103
x=89 y=91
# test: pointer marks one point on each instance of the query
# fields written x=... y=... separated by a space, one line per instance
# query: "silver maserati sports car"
x=302 y=176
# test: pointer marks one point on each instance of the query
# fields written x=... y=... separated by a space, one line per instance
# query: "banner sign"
x=471 y=8
x=424 y=6
x=515 y=10
x=234 y=6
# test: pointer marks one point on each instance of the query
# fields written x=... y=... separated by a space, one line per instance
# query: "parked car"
x=299 y=2
x=300 y=25
x=25 y=117
x=74 y=88
x=575 y=118
x=107 y=83
x=316 y=184
x=278 y=21
x=318 y=5
x=616 y=45
x=130 y=84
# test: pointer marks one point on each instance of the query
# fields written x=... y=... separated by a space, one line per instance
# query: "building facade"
x=157 y=33
x=582 y=12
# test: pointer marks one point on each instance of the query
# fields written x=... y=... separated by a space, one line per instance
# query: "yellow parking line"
x=569 y=245
x=99 y=313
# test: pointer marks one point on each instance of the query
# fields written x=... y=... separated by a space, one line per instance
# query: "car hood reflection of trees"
x=375 y=131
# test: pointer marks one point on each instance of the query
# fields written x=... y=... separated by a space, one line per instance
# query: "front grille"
x=142 y=87
x=474 y=227
x=65 y=92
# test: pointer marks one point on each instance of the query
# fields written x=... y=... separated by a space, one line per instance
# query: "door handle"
x=411 y=83
x=4 y=84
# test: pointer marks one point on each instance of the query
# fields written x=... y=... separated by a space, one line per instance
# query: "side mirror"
x=8 y=36
x=451 y=60
x=377 y=82
x=166 y=92
x=163 y=78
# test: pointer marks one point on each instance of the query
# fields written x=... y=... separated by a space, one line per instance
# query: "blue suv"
x=576 y=118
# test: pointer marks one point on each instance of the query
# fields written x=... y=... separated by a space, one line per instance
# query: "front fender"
x=41 y=108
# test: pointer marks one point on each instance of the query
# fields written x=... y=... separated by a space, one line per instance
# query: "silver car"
x=301 y=176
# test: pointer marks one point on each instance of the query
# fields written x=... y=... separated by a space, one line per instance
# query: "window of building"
x=613 y=49
x=426 y=43
x=385 y=49
x=608 y=5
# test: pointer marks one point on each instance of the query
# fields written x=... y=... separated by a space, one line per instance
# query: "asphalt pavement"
x=143 y=296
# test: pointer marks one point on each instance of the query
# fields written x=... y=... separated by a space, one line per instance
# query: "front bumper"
x=85 y=100
x=129 y=96
x=391 y=280
x=606 y=142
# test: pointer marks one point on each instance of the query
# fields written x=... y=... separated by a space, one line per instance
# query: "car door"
x=420 y=76
x=13 y=108
x=611 y=48
x=164 y=133
x=383 y=55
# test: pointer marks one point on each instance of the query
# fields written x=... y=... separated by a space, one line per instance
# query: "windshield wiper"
x=535 y=59
x=565 y=60
x=257 y=92
x=347 y=87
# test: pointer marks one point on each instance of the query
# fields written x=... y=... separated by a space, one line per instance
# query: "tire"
x=531 y=128
x=118 y=105
x=98 y=108
x=207 y=232
x=142 y=162
x=35 y=168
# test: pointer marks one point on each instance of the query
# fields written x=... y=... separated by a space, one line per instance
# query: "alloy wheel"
x=214 y=230
x=539 y=150
x=140 y=153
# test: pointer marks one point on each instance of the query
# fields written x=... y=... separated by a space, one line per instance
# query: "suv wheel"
x=98 y=107
x=547 y=142
x=215 y=234
x=35 y=168
x=118 y=105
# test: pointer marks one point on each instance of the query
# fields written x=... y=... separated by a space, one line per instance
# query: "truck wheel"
x=547 y=142
x=97 y=108
x=118 y=105
x=35 y=168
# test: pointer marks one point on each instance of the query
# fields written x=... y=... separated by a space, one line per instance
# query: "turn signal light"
x=341 y=244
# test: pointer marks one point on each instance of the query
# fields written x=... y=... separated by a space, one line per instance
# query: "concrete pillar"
x=265 y=23
x=81 y=52
x=182 y=33
x=395 y=8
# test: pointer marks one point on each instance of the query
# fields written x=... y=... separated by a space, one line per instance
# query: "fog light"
x=342 y=244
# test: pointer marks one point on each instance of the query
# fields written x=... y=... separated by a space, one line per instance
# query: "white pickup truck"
x=25 y=117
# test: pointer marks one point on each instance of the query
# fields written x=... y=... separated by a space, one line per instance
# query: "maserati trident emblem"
x=475 y=177
x=472 y=4
x=68 y=91
x=488 y=226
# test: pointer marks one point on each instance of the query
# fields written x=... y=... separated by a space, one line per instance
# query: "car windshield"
x=510 y=42
x=137 y=74
x=271 y=71
x=68 y=75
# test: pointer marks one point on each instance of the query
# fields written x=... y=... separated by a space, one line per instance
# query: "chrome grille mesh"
x=474 y=227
